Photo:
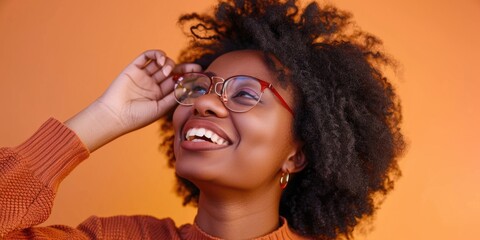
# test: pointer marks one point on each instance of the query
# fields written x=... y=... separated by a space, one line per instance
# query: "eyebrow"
x=213 y=74
x=210 y=74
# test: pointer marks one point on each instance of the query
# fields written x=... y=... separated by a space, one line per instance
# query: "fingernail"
x=162 y=60
x=166 y=70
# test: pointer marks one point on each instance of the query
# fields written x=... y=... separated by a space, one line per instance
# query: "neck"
x=240 y=216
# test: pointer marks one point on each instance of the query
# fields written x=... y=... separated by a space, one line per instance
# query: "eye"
x=245 y=97
x=243 y=90
x=246 y=94
x=197 y=85
x=199 y=89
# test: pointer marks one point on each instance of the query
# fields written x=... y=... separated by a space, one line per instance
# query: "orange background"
x=58 y=56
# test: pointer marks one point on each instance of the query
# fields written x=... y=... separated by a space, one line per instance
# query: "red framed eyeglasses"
x=238 y=93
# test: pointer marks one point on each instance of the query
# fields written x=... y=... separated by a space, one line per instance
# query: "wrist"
x=96 y=125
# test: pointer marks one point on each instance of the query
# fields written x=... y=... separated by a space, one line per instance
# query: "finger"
x=166 y=103
x=166 y=86
x=146 y=63
x=155 y=61
x=150 y=67
x=163 y=72
x=187 y=67
x=150 y=57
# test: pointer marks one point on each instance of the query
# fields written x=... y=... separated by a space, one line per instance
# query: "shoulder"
x=284 y=232
x=129 y=227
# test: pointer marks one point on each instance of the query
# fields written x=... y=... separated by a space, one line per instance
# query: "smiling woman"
x=260 y=141
x=286 y=129
x=343 y=140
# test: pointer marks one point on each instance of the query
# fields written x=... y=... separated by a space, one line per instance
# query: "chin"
x=193 y=171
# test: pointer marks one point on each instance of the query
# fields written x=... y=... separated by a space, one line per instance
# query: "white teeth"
x=202 y=132
x=190 y=133
x=215 y=138
x=208 y=134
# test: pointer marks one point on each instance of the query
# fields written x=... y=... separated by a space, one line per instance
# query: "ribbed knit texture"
x=30 y=174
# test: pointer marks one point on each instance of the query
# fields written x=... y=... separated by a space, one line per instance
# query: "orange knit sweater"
x=30 y=174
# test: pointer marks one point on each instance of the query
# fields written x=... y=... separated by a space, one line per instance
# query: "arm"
x=31 y=172
x=141 y=94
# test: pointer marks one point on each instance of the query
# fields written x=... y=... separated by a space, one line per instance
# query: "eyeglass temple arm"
x=276 y=93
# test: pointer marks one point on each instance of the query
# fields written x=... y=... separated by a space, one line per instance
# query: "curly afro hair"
x=346 y=112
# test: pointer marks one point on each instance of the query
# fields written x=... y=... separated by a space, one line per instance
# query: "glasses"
x=238 y=93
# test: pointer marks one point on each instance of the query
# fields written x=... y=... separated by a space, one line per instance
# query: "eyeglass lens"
x=239 y=93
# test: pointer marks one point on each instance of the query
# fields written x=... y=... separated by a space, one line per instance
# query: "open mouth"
x=204 y=135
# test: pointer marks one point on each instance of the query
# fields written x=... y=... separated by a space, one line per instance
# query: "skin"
x=140 y=95
x=239 y=183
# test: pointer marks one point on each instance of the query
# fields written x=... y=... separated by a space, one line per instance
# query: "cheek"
x=179 y=117
x=266 y=141
x=265 y=144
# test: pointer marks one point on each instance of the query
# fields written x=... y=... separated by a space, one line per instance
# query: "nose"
x=210 y=105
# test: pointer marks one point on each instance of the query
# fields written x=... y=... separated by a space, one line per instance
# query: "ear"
x=295 y=162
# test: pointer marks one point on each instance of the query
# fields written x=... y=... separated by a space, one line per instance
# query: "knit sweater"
x=30 y=174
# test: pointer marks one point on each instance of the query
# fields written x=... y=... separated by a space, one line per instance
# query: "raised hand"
x=141 y=94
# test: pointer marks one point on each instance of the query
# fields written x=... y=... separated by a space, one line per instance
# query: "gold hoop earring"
x=284 y=179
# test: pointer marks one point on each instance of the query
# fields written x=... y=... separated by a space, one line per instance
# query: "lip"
x=203 y=146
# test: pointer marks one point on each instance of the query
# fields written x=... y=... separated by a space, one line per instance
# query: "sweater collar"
x=193 y=232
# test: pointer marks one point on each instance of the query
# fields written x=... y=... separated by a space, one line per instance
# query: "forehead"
x=243 y=62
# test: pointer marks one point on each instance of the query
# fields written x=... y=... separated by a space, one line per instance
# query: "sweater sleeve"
x=30 y=174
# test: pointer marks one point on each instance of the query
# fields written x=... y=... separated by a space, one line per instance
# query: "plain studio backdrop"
x=57 y=56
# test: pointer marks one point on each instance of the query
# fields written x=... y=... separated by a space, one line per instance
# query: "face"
x=237 y=150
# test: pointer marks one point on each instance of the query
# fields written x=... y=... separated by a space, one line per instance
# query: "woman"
x=289 y=132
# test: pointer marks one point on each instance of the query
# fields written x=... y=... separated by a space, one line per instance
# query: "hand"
x=141 y=94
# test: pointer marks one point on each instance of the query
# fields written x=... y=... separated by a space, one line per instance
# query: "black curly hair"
x=346 y=112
